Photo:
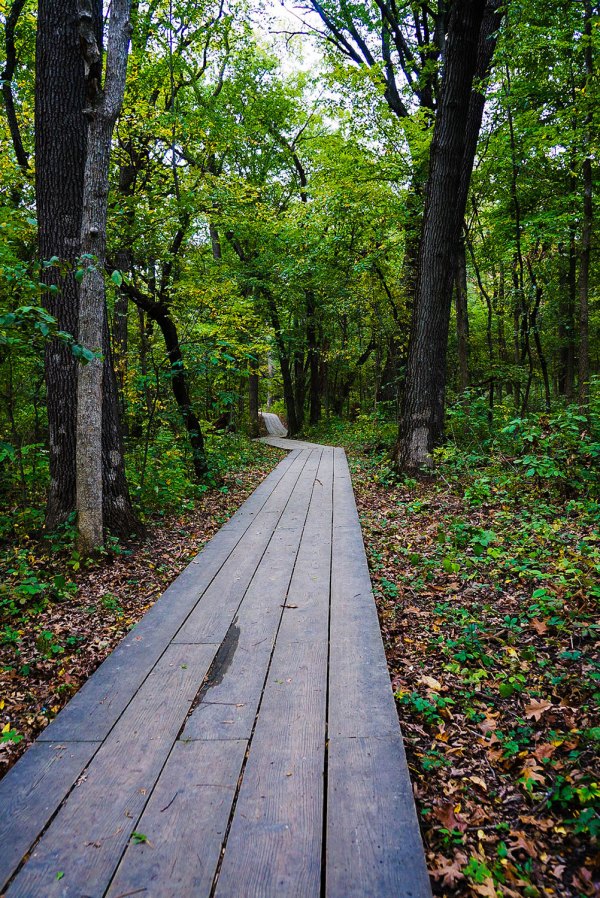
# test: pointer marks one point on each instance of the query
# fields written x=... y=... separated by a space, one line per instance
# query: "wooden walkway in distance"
x=245 y=729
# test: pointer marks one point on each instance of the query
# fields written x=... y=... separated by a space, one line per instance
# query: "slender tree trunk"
x=284 y=364
x=6 y=77
x=586 y=229
x=462 y=318
x=313 y=359
x=103 y=112
x=423 y=408
x=253 y=399
x=566 y=325
x=299 y=387
x=180 y=389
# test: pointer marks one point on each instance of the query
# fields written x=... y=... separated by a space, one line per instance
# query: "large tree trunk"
x=103 y=112
x=60 y=141
x=60 y=149
x=423 y=408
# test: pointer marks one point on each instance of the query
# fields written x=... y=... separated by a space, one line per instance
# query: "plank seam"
x=326 y=745
x=256 y=716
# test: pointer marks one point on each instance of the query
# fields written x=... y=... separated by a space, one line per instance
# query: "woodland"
x=379 y=220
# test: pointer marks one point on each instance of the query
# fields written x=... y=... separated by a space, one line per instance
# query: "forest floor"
x=487 y=589
x=60 y=617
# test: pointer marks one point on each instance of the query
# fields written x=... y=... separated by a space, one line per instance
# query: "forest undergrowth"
x=486 y=577
x=60 y=615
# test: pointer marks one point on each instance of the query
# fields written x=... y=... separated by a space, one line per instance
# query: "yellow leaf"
x=6 y=728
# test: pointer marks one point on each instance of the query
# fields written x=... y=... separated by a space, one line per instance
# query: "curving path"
x=273 y=424
x=242 y=741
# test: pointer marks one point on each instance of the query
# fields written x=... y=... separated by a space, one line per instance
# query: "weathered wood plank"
x=30 y=794
x=361 y=702
x=230 y=698
x=104 y=696
x=373 y=843
x=374 y=847
x=274 y=845
x=212 y=617
x=185 y=822
x=87 y=837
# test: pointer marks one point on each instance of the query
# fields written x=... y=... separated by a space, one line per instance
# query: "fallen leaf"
x=450 y=872
x=479 y=782
x=432 y=683
x=518 y=840
x=535 y=709
x=487 y=888
x=447 y=816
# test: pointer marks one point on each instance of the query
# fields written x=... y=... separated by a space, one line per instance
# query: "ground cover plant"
x=61 y=615
x=487 y=582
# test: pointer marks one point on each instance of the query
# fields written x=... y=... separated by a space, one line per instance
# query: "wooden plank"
x=274 y=845
x=361 y=702
x=31 y=792
x=107 y=692
x=212 y=617
x=231 y=696
x=374 y=846
x=87 y=837
x=373 y=842
x=275 y=842
x=185 y=822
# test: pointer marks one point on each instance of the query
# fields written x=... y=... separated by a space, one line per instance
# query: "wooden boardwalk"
x=242 y=741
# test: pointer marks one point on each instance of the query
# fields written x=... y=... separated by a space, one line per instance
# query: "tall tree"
x=423 y=407
x=61 y=98
x=104 y=104
x=586 y=234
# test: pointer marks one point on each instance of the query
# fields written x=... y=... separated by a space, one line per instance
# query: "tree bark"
x=462 y=318
x=60 y=141
x=423 y=407
x=103 y=111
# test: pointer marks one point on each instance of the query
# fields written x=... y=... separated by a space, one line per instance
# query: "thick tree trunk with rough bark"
x=103 y=112
x=61 y=135
x=423 y=408
x=60 y=140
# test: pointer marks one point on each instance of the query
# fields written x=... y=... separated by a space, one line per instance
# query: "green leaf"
x=138 y=838
x=60 y=874
x=117 y=278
